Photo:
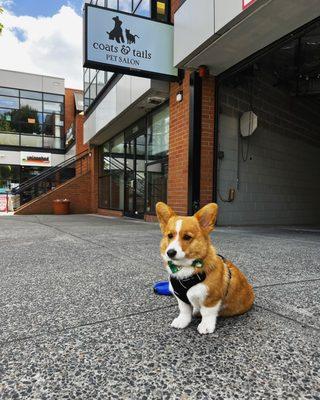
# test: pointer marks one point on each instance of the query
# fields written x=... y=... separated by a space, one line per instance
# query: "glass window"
x=93 y=89
x=33 y=104
x=125 y=5
x=53 y=107
x=31 y=95
x=9 y=102
x=9 y=176
x=9 y=92
x=53 y=97
x=53 y=119
x=112 y=4
x=30 y=140
x=111 y=190
x=158 y=135
x=86 y=79
x=101 y=80
x=52 y=142
x=157 y=174
x=142 y=7
x=33 y=129
x=117 y=145
x=6 y=124
x=52 y=130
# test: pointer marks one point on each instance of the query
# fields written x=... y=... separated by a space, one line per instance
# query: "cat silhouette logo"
x=117 y=33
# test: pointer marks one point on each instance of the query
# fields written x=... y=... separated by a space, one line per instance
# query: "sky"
x=43 y=37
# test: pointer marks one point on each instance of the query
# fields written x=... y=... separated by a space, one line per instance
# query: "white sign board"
x=35 y=159
x=128 y=44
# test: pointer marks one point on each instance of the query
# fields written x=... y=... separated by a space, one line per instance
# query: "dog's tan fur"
x=237 y=294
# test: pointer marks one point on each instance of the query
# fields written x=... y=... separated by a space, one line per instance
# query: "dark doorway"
x=135 y=155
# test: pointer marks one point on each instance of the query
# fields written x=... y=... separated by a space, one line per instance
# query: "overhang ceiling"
x=266 y=24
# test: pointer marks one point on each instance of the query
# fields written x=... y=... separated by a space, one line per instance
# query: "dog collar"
x=175 y=268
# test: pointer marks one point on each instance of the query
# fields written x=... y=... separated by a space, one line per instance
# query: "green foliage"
x=18 y=120
x=1 y=25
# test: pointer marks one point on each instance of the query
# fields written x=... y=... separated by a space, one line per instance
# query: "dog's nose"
x=171 y=253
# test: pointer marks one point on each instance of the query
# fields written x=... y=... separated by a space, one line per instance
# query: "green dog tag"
x=173 y=267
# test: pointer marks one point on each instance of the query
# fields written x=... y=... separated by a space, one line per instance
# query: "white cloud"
x=47 y=45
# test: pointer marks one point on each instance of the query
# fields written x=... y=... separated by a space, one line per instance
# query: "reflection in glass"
x=31 y=95
x=9 y=175
x=33 y=104
x=9 y=92
x=158 y=135
x=123 y=171
x=9 y=102
x=53 y=97
x=142 y=8
x=53 y=107
x=125 y=5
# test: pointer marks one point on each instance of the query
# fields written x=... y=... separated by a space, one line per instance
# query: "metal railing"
x=52 y=178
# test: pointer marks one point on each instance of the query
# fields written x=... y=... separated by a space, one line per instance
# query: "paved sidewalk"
x=79 y=320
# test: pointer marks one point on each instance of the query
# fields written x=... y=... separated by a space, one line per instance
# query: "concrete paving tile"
x=104 y=268
x=300 y=301
x=255 y=356
x=51 y=296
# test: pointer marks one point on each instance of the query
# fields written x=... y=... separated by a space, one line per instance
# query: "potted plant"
x=61 y=206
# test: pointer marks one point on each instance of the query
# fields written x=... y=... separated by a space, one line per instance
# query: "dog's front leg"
x=184 y=318
x=209 y=318
x=197 y=296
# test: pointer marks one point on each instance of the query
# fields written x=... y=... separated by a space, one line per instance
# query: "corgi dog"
x=202 y=281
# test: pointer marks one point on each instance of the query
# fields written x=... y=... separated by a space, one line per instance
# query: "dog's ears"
x=207 y=217
x=164 y=213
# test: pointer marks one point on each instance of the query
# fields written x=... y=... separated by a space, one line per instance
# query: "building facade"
x=239 y=127
x=39 y=122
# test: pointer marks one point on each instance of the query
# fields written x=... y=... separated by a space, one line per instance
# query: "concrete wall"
x=120 y=97
x=22 y=80
x=221 y=33
x=280 y=181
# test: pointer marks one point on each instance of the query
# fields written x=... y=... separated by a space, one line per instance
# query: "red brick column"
x=207 y=140
x=94 y=169
x=179 y=147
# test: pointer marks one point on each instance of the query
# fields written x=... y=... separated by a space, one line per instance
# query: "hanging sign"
x=35 y=159
x=128 y=44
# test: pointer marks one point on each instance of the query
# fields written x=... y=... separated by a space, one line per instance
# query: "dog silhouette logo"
x=117 y=33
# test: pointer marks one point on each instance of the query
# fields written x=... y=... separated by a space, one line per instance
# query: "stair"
x=77 y=190
x=71 y=179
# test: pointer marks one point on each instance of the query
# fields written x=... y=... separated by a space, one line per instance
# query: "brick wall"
x=279 y=182
x=94 y=162
x=179 y=144
x=80 y=146
x=76 y=190
x=207 y=140
x=70 y=110
x=179 y=147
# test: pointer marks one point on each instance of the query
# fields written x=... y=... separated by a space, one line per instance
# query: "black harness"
x=181 y=286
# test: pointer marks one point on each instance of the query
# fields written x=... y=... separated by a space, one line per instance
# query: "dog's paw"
x=206 y=327
x=181 y=322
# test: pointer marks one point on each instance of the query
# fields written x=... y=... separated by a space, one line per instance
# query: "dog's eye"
x=170 y=235
x=187 y=237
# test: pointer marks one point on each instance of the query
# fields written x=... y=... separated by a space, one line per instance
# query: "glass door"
x=135 y=153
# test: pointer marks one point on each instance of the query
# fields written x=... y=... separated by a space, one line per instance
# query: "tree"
x=1 y=25
x=25 y=119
